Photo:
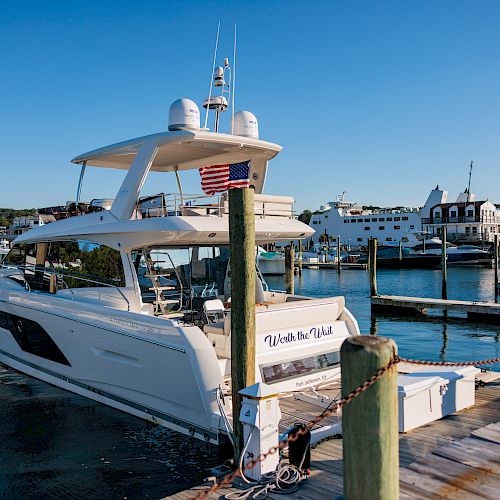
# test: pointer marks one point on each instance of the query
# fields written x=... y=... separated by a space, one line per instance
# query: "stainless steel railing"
x=175 y=204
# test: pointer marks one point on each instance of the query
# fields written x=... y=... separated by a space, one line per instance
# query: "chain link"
x=449 y=363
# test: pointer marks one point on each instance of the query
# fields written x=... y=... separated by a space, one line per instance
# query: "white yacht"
x=270 y=263
x=130 y=306
x=460 y=255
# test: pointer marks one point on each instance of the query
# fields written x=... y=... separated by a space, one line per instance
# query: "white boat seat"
x=213 y=310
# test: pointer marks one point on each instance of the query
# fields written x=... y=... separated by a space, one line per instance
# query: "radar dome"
x=184 y=114
x=246 y=125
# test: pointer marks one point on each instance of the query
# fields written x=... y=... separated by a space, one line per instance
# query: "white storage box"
x=425 y=396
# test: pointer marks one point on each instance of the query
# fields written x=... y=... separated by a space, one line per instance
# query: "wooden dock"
x=456 y=457
x=482 y=311
x=333 y=265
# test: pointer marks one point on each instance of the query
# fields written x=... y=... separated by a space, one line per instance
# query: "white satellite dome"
x=246 y=125
x=184 y=114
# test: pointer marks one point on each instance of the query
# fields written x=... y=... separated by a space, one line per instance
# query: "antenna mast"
x=233 y=81
x=468 y=188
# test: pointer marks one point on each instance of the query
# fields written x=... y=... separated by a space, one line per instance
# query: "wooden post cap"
x=369 y=343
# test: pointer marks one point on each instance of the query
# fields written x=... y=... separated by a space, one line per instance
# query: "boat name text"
x=286 y=338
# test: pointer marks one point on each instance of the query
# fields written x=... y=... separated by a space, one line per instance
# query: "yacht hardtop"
x=129 y=304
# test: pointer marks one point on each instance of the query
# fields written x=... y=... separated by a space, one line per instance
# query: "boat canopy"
x=182 y=150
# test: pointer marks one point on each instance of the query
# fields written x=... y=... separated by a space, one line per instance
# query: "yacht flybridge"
x=128 y=301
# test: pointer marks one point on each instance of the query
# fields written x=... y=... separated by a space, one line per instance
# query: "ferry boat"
x=130 y=306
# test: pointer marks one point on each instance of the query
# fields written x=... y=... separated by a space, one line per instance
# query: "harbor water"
x=55 y=444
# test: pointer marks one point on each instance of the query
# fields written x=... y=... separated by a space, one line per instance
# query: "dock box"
x=425 y=396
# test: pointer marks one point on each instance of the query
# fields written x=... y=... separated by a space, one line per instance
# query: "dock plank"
x=463 y=476
x=490 y=432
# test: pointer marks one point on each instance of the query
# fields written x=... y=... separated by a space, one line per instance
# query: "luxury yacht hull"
x=148 y=376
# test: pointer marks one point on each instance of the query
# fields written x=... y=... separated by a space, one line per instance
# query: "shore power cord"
x=284 y=480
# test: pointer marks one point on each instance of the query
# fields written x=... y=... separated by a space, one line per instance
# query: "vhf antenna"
x=219 y=103
x=233 y=89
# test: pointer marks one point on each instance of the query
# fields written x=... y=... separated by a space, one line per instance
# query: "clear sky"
x=382 y=99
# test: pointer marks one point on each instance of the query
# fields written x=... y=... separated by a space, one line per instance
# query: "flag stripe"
x=219 y=178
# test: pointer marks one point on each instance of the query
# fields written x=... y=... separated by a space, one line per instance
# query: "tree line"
x=7 y=215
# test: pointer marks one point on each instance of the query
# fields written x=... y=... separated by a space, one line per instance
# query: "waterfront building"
x=25 y=223
x=465 y=219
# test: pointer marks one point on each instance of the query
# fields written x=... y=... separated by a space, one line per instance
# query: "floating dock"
x=454 y=457
x=394 y=304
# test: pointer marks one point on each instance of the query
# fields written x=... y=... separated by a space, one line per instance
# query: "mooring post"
x=289 y=264
x=338 y=254
x=400 y=250
x=372 y=262
x=370 y=421
x=444 y=292
x=242 y=248
x=300 y=257
x=495 y=263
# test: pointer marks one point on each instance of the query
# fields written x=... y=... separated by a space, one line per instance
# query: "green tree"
x=305 y=216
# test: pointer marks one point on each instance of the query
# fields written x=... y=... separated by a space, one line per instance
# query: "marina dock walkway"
x=456 y=457
x=399 y=304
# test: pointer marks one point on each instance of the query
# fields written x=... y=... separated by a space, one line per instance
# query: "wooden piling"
x=372 y=262
x=495 y=263
x=370 y=421
x=400 y=250
x=300 y=257
x=242 y=247
x=444 y=291
x=289 y=264
x=338 y=254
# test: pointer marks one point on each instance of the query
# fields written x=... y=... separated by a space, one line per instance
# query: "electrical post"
x=242 y=247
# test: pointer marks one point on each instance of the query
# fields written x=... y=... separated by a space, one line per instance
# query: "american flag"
x=218 y=178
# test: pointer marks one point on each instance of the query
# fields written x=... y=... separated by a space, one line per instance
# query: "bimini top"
x=182 y=150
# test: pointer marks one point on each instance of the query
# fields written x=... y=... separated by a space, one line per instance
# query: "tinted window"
x=78 y=264
x=32 y=338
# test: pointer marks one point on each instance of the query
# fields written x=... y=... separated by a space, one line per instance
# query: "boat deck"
x=455 y=457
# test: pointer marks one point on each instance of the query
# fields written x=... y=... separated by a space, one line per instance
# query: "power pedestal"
x=260 y=415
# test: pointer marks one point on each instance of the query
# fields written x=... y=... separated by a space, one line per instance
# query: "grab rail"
x=23 y=269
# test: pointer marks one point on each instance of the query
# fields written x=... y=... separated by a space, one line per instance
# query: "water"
x=55 y=444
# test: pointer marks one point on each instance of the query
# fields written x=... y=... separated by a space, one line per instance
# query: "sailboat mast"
x=468 y=188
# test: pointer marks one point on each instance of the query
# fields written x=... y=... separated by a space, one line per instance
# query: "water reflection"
x=442 y=353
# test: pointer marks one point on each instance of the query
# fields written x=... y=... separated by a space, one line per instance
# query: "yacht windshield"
x=183 y=278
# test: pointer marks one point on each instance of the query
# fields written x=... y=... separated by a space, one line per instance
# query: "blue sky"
x=382 y=99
